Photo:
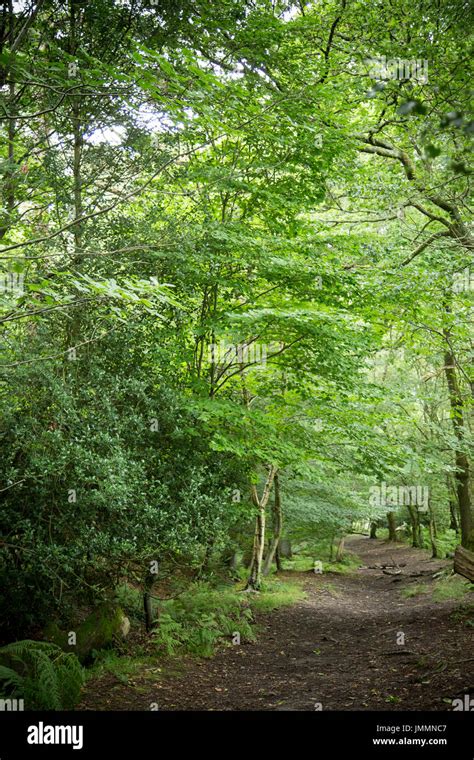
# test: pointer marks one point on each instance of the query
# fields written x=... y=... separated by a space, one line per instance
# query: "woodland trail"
x=337 y=648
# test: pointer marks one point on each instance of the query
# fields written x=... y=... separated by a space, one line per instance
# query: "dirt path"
x=337 y=649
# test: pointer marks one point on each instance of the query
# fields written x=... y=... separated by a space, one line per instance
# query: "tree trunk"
x=277 y=527
x=8 y=189
x=279 y=566
x=340 y=550
x=392 y=533
x=254 y=580
x=147 y=604
x=464 y=563
x=331 y=548
x=373 y=530
x=73 y=326
x=416 y=537
x=464 y=500
x=454 y=520
x=462 y=475
x=433 y=532
x=434 y=547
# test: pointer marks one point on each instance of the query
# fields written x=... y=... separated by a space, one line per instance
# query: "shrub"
x=196 y=621
x=41 y=674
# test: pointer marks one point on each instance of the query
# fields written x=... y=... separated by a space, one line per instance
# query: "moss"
x=53 y=633
x=98 y=631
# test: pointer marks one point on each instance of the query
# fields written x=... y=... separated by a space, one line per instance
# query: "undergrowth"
x=203 y=617
x=305 y=562
x=121 y=666
x=41 y=674
x=448 y=587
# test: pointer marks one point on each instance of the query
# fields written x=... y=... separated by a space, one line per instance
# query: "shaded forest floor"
x=337 y=648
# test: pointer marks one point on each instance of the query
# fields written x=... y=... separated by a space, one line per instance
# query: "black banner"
x=155 y=733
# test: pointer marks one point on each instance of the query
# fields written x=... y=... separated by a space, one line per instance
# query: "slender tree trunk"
x=416 y=538
x=331 y=548
x=433 y=532
x=254 y=580
x=147 y=604
x=392 y=533
x=255 y=576
x=279 y=566
x=250 y=566
x=73 y=328
x=277 y=527
x=78 y=144
x=340 y=550
x=454 y=520
x=8 y=191
x=421 y=541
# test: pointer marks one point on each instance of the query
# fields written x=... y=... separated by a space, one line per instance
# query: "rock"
x=100 y=629
x=125 y=627
x=55 y=635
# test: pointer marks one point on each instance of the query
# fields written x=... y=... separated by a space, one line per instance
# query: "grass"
x=347 y=565
x=277 y=593
x=464 y=614
x=392 y=699
x=303 y=563
x=450 y=587
x=415 y=590
x=120 y=666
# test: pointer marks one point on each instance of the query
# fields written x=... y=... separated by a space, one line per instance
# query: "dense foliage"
x=230 y=253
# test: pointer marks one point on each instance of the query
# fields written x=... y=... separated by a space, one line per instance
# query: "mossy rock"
x=100 y=630
x=53 y=633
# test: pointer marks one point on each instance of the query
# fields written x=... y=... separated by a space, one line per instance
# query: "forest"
x=236 y=355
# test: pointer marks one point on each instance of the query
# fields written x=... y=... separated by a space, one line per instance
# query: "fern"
x=40 y=673
x=44 y=687
x=199 y=620
x=10 y=677
x=170 y=634
x=71 y=680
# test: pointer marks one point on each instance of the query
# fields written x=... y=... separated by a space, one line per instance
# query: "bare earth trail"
x=337 y=648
